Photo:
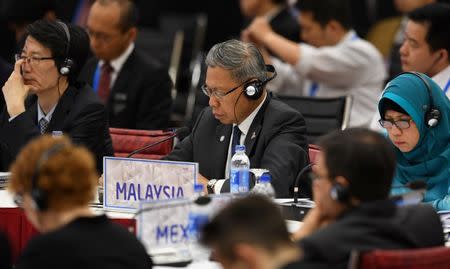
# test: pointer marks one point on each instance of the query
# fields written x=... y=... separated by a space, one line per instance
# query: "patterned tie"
x=236 y=139
x=43 y=124
x=105 y=82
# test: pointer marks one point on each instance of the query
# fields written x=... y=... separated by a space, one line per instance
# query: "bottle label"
x=234 y=181
x=243 y=181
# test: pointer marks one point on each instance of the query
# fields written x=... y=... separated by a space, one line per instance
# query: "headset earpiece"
x=339 y=193
x=254 y=89
x=432 y=114
x=67 y=63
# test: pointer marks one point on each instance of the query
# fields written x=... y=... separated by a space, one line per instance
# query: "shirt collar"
x=442 y=77
x=41 y=113
x=119 y=61
x=350 y=36
x=244 y=126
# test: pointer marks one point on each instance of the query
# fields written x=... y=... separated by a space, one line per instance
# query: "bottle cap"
x=239 y=148
x=198 y=188
x=265 y=178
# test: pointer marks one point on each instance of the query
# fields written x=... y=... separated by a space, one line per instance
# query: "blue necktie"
x=236 y=139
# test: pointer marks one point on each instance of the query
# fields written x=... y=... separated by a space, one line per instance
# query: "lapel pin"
x=253 y=135
x=222 y=138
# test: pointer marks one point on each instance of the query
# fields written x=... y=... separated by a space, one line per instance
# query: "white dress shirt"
x=117 y=64
x=352 y=67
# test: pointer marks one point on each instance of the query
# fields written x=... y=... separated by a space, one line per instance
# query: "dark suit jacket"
x=140 y=97
x=79 y=114
x=275 y=141
x=375 y=225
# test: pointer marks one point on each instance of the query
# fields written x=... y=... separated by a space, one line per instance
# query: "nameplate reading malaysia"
x=128 y=181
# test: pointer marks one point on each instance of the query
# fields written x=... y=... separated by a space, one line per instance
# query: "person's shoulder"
x=280 y=110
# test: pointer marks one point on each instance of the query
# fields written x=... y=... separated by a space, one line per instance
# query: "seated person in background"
x=335 y=62
x=54 y=181
x=251 y=233
x=242 y=112
x=420 y=134
x=426 y=48
x=278 y=13
x=352 y=180
x=48 y=67
x=134 y=88
x=5 y=252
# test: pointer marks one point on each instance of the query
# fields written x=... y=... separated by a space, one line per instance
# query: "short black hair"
x=253 y=219
x=324 y=11
x=51 y=35
x=364 y=157
x=436 y=17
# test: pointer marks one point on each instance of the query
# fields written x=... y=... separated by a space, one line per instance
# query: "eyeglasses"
x=32 y=60
x=401 y=124
x=18 y=200
x=102 y=37
x=218 y=94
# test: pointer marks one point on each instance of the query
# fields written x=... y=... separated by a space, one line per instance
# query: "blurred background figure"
x=421 y=137
x=54 y=181
x=135 y=89
x=250 y=233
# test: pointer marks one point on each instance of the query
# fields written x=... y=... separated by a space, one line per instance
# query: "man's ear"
x=342 y=181
x=132 y=34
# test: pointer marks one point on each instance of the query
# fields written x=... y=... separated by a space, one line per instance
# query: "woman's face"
x=404 y=139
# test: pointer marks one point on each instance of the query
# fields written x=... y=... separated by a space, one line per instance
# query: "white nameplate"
x=128 y=181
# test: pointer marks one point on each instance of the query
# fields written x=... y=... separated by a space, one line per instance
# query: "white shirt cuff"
x=218 y=185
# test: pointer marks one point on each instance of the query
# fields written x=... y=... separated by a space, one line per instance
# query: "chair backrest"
x=424 y=258
x=322 y=115
x=313 y=152
x=126 y=141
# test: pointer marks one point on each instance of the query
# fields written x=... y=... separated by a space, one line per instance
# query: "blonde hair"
x=68 y=177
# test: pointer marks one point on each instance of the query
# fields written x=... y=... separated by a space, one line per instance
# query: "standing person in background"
x=241 y=111
x=335 y=62
x=54 y=181
x=416 y=115
x=135 y=89
x=43 y=94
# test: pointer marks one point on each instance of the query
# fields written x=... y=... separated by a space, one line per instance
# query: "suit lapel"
x=255 y=128
x=220 y=148
x=62 y=110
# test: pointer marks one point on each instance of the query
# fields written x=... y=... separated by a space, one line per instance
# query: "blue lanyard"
x=96 y=79
x=447 y=86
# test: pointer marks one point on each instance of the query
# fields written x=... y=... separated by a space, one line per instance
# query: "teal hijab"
x=430 y=159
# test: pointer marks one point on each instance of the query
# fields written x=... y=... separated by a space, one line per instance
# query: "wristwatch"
x=210 y=186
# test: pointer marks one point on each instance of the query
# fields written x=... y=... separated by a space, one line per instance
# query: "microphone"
x=297 y=180
x=412 y=197
x=180 y=132
x=201 y=201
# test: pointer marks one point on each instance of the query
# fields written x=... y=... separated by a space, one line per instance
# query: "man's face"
x=322 y=186
x=38 y=71
x=312 y=32
x=107 y=39
x=232 y=107
x=415 y=53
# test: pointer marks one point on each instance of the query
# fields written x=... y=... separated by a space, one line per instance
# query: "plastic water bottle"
x=197 y=218
x=239 y=171
x=264 y=187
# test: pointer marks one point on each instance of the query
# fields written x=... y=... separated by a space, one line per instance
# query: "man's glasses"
x=218 y=94
x=401 y=124
x=32 y=60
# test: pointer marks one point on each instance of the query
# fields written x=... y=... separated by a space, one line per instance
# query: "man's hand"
x=204 y=181
x=15 y=91
x=313 y=221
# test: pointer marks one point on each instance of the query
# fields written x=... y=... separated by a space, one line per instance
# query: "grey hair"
x=243 y=60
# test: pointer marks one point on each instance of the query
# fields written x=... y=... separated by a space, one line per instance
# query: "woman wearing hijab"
x=416 y=115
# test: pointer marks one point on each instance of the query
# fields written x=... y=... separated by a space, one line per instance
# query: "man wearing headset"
x=351 y=185
x=43 y=96
x=241 y=111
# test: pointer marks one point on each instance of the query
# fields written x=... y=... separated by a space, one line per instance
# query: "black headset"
x=68 y=63
x=254 y=89
x=39 y=195
x=432 y=115
x=340 y=193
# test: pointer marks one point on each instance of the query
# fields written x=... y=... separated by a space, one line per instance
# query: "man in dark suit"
x=47 y=67
x=242 y=112
x=135 y=89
